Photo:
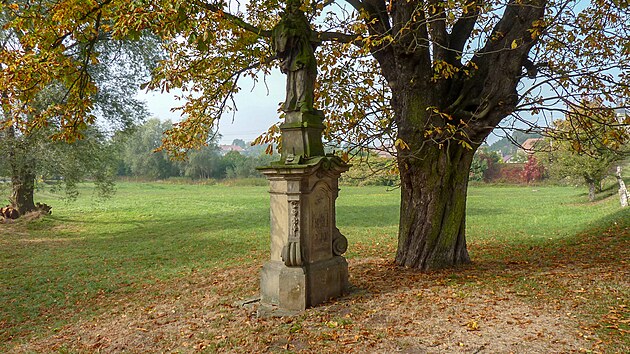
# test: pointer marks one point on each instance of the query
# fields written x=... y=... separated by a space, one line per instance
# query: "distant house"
x=384 y=151
x=531 y=145
x=224 y=149
x=384 y=154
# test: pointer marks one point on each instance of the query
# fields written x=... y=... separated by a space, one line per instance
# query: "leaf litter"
x=513 y=299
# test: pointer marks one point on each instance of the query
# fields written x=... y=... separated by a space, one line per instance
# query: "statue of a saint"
x=293 y=42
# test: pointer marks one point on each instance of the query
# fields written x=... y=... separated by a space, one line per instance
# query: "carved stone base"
x=283 y=286
x=326 y=280
x=296 y=288
x=305 y=266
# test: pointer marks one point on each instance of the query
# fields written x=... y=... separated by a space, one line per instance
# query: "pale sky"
x=257 y=108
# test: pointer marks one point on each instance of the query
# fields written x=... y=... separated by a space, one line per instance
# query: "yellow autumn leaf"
x=472 y=325
x=401 y=144
x=514 y=44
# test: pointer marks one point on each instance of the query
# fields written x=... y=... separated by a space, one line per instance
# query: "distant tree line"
x=138 y=158
x=127 y=153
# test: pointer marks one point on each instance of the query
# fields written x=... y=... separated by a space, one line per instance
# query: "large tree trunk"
x=434 y=183
x=433 y=208
x=23 y=189
x=22 y=173
x=443 y=115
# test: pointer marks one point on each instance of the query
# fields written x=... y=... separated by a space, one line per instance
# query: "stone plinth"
x=302 y=137
x=306 y=267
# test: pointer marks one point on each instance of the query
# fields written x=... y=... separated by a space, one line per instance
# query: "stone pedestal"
x=306 y=267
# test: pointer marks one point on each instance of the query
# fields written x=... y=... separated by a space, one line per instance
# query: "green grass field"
x=64 y=267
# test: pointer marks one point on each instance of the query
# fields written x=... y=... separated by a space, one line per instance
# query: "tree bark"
x=23 y=189
x=433 y=208
x=434 y=183
x=22 y=174
x=442 y=119
x=591 y=190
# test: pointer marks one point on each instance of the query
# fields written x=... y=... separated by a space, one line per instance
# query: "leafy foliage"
x=485 y=165
x=138 y=158
x=533 y=170
x=137 y=150
x=211 y=45
x=372 y=170
x=575 y=153
x=431 y=78
x=68 y=81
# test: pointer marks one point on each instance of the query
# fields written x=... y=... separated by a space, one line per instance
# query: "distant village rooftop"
x=531 y=145
x=227 y=148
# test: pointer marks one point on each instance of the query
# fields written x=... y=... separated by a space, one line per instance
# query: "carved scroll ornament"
x=292 y=251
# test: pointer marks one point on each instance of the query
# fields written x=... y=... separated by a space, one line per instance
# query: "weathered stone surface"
x=301 y=137
x=303 y=271
x=326 y=280
x=304 y=268
x=624 y=196
x=283 y=286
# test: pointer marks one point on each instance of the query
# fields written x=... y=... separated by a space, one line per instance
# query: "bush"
x=485 y=165
x=533 y=170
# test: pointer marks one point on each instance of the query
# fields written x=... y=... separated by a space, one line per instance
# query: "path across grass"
x=90 y=256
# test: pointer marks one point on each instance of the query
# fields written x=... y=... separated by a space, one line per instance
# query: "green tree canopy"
x=42 y=96
x=574 y=152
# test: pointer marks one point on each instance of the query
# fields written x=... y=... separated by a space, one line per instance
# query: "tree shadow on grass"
x=583 y=281
x=388 y=214
x=604 y=246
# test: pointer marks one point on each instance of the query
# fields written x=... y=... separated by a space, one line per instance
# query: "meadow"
x=159 y=266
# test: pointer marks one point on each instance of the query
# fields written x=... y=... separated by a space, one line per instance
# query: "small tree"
x=533 y=170
x=564 y=162
x=138 y=152
x=81 y=71
x=485 y=164
x=575 y=152
x=204 y=163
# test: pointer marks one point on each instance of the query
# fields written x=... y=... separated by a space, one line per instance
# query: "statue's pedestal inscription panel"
x=306 y=267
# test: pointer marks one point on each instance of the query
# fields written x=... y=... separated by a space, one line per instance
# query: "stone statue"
x=294 y=44
x=306 y=266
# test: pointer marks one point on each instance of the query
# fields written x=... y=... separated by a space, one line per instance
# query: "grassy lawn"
x=153 y=244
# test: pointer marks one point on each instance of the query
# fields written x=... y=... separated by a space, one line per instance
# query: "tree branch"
x=436 y=24
x=336 y=37
x=463 y=27
x=235 y=19
x=59 y=40
x=378 y=24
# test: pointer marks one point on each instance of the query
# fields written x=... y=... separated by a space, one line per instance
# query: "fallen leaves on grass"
x=569 y=297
